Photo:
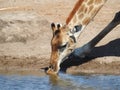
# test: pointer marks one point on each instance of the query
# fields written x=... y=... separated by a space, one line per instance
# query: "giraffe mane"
x=74 y=10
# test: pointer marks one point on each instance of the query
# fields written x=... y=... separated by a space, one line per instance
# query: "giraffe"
x=83 y=12
x=65 y=37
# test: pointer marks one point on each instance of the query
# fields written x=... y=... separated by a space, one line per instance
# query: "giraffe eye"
x=62 y=47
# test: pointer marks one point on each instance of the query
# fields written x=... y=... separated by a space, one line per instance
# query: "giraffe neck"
x=83 y=12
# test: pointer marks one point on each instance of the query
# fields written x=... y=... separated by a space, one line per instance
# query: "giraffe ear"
x=58 y=26
x=53 y=27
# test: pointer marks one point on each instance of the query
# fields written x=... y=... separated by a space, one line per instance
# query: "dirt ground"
x=25 y=36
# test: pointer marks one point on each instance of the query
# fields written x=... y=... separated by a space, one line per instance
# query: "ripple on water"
x=64 y=82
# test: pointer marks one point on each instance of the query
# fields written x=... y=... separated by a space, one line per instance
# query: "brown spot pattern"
x=98 y=1
x=86 y=21
x=74 y=19
x=94 y=11
x=81 y=8
x=90 y=8
x=81 y=16
x=85 y=10
x=90 y=2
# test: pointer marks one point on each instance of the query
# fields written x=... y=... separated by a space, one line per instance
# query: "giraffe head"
x=62 y=44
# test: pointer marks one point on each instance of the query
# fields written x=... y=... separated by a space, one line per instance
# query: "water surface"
x=63 y=82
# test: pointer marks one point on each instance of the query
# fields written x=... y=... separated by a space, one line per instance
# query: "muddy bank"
x=34 y=65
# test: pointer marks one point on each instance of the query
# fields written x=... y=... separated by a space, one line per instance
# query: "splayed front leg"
x=86 y=49
x=82 y=51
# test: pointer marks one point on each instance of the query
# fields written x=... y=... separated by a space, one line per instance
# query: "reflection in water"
x=59 y=83
x=63 y=82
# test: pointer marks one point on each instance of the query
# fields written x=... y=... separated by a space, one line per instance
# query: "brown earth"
x=25 y=37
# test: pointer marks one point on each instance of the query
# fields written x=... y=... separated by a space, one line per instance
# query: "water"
x=63 y=82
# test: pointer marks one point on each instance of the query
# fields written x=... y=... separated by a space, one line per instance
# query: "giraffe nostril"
x=50 y=67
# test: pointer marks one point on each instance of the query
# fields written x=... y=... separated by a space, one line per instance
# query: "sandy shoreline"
x=33 y=65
